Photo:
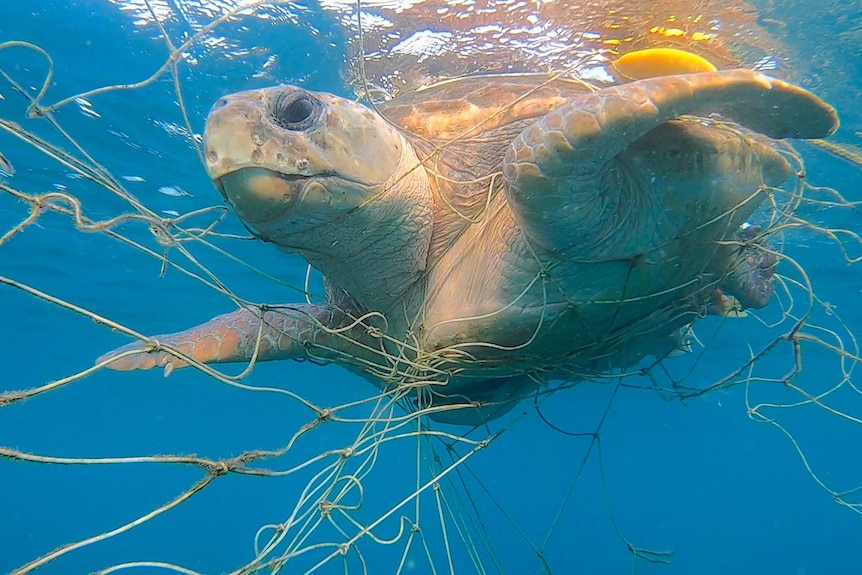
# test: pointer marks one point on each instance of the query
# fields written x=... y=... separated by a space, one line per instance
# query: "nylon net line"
x=321 y=463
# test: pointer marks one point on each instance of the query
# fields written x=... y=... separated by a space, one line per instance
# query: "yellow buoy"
x=654 y=62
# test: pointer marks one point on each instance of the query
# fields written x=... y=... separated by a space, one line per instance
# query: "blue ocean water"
x=724 y=493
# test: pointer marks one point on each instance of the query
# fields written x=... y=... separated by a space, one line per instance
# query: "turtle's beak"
x=220 y=187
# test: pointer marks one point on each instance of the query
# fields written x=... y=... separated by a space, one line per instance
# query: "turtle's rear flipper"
x=553 y=170
x=751 y=276
x=285 y=334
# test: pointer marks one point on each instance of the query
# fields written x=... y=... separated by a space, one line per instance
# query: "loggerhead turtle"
x=487 y=234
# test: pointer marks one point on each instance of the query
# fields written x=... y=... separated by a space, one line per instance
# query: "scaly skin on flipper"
x=290 y=332
x=553 y=169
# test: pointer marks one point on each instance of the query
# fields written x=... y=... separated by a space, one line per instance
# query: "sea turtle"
x=484 y=235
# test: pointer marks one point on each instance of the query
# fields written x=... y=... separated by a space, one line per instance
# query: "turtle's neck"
x=378 y=250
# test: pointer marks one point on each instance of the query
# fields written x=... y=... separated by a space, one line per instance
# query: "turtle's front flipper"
x=290 y=332
x=558 y=172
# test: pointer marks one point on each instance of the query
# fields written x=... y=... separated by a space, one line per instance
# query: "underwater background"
x=701 y=479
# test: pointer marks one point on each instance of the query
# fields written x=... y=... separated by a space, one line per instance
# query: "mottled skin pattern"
x=510 y=230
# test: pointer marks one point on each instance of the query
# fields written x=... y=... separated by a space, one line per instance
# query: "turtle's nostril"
x=222 y=102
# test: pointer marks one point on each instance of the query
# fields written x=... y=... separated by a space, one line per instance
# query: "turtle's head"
x=288 y=159
x=326 y=178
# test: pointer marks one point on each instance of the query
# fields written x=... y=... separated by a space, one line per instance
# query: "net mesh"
x=338 y=510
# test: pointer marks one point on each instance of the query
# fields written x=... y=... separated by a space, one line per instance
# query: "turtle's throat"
x=379 y=250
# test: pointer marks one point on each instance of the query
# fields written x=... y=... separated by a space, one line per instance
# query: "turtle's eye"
x=295 y=111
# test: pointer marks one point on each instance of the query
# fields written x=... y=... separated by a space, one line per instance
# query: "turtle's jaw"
x=277 y=205
x=259 y=195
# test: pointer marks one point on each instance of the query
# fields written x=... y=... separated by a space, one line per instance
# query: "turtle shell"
x=468 y=106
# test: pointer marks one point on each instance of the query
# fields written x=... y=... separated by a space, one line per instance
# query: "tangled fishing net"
x=318 y=455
